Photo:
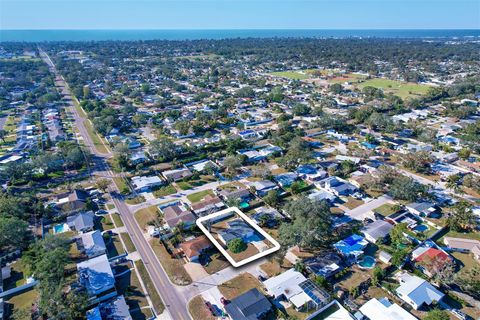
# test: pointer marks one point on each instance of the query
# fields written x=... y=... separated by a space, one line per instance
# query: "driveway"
x=196 y=271
x=365 y=210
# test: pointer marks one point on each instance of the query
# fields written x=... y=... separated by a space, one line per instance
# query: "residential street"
x=169 y=292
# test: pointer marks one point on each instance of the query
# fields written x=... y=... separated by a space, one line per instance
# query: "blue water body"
x=102 y=35
x=368 y=262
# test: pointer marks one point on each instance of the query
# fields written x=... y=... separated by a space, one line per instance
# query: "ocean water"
x=102 y=35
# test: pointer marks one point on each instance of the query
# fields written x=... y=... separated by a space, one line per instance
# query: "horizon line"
x=231 y=29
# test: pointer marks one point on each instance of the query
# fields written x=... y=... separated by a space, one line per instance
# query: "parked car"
x=224 y=301
x=211 y=308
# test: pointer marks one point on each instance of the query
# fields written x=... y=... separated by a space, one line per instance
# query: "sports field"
x=398 y=88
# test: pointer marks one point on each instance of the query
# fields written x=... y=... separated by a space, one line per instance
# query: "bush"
x=237 y=245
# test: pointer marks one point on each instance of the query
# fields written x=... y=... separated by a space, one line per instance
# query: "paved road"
x=438 y=185
x=181 y=195
x=174 y=299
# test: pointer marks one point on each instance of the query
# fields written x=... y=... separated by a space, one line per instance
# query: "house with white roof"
x=298 y=290
x=416 y=291
x=146 y=183
x=382 y=309
x=91 y=244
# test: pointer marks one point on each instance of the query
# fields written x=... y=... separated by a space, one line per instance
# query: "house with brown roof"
x=72 y=201
x=208 y=205
x=176 y=214
x=192 y=249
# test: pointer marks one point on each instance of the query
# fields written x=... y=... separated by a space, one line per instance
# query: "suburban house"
x=143 y=183
x=240 y=193
x=72 y=201
x=177 y=174
x=379 y=229
x=176 y=213
x=332 y=311
x=192 y=249
x=319 y=195
x=375 y=309
x=250 y=305
x=292 y=286
x=464 y=245
x=285 y=180
x=337 y=186
x=96 y=276
x=423 y=209
x=236 y=229
x=431 y=260
x=208 y=205
x=262 y=187
x=310 y=173
x=138 y=157
x=351 y=247
x=91 y=244
x=202 y=165
x=325 y=265
x=82 y=221
x=116 y=309
x=416 y=291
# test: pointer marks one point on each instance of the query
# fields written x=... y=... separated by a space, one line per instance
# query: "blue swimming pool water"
x=244 y=205
x=59 y=228
x=421 y=228
x=367 y=262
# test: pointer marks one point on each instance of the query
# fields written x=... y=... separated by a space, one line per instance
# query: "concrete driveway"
x=196 y=271
x=366 y=209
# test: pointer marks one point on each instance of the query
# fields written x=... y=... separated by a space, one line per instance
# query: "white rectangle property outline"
x=276 y=245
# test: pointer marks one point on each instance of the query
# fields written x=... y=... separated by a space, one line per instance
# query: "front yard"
x=198 y=310
x=238 y=285
x=173 y=267
x=198 y=196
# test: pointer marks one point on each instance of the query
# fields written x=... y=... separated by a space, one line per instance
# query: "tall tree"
x=311 y=225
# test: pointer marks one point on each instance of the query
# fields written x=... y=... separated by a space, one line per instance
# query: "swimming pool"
x=244 y=205
x=59 y=228
x=368 y=262
x=420 y=228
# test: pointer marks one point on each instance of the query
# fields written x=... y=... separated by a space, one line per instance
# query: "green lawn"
x=121 y=184
x=128 y=242
x=107 y=223
x=114 y=246
x=117 y=219
x=146 y=215
x=198 y=196
x=129 y=285
x=164 y=191
x=24 y=300
x=386 y=209
x=399 y=88
x=152 y=292
x=469 y=235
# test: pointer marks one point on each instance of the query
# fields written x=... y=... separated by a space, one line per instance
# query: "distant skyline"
x=239 y=14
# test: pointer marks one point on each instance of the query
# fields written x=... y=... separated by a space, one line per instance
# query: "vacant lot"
x=146 y=215
x=173 y=267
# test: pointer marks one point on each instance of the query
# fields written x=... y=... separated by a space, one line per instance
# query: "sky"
x=239 y=14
